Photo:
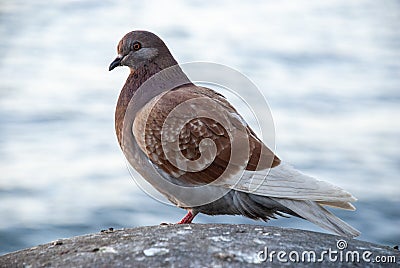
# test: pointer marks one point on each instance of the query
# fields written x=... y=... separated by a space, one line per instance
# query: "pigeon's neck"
x=134 y=81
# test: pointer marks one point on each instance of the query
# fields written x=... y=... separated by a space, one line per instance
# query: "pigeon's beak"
x=115 y=63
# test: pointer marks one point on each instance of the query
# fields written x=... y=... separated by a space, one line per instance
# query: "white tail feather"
x=318 y=215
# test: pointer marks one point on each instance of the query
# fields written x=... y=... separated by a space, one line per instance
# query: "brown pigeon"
x=191 y=145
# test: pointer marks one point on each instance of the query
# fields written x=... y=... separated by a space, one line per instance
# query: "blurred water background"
x=329 y=69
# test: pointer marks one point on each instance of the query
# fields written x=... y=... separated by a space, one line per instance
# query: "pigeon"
x=192 y=146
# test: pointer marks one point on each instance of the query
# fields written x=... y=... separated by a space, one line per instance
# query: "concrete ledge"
x=201 y=245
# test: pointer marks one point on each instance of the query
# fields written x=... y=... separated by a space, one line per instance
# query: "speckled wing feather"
x=263 y=175
x=198 y=104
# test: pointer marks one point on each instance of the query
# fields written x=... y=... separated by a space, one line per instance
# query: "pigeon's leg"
x=188 y=218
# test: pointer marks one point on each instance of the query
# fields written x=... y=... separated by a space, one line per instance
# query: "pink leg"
x=188 y=218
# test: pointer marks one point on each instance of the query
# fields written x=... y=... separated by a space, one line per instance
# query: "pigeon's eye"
x=136 y=46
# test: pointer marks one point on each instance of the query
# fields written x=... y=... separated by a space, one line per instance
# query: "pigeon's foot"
x=188 y=218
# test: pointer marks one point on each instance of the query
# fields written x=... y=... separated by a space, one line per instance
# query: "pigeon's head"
x=139 y=48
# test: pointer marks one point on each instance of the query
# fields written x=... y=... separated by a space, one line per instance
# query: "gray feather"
x=318 y=215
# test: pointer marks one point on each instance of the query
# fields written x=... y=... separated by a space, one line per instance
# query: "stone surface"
x=200 y=245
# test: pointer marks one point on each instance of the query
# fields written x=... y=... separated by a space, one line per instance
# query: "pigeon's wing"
x=172 y=126
x=280 y=179
x=189 y=133
x=284 y=181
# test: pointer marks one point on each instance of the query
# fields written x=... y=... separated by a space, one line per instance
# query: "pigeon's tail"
x=315 y=213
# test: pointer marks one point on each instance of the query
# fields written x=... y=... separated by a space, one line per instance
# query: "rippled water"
x=330 y=72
